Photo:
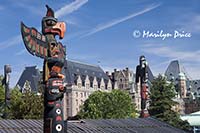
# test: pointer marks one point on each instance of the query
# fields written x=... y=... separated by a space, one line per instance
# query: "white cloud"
x=69 y=8
x=173 y=53
x=120 y=20
x=188 y=59
x=190 y=23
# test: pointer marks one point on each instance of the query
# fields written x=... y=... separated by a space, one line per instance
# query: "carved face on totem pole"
x=141 y=70
x=142 y=61
x=51 y=27
x=45 y=45
x=143 y=67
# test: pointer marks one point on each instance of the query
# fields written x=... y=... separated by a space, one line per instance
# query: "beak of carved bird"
x=60 y=29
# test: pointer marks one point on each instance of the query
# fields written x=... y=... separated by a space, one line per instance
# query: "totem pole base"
x=144 y=114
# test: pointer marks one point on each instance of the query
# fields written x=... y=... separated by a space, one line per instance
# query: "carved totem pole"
x=142 y=79
x=45 y=46
x=6 y=82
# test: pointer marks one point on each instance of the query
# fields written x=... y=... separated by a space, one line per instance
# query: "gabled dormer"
x=102 y=84
x=109 y=85
x=95 y=83
x=79 y=82
x=87 y=82
x=26 y=87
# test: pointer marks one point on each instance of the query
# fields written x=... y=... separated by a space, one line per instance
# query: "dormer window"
x=87 y=86
x=79 y=82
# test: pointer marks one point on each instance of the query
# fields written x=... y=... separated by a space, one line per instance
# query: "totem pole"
x=142 y=79
x=5 y=82
x=45 y=46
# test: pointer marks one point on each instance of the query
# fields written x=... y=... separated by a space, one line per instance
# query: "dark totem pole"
x=45 y=46
x=6 y=82
x=142 y=78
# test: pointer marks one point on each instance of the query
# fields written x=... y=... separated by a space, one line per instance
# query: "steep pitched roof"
x=139 y=125
x=150 y=74
x=173 y=70
x=31 y=74
x=194 y=85
x=73 y=68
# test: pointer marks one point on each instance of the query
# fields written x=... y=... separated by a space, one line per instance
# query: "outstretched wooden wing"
x=35 y=42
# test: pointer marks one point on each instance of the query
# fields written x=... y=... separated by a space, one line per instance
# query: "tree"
x=162 y=94
x=26 y=105
x=2 y=91
x=107 y=105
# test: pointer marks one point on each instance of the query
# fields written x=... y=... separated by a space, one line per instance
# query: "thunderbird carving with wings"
x=44 y=45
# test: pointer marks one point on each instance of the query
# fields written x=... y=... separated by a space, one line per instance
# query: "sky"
x=108 y=33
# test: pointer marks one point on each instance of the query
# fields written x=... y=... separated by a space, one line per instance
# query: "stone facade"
x=186 y=89
x=77 y=94
x=192 y=105
x=125 y=80
x=83 y=79
x=122 y=79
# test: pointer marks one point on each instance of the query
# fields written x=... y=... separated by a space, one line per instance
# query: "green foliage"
x=162 y=94
x=2 y=97
x=2 y=91
x=25 y=106
x=2 y=94
x=107 y=105
x=22 y=106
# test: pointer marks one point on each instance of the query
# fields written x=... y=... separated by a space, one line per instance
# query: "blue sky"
x=102 y=31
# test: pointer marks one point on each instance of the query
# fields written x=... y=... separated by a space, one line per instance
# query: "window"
x=67 y=111
x=87 y=86
x=126 y=86
x=79 y=85
x=102 y=87
x=81 y=94
x=95 y=87
x=77 y=102
x=76 y=94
